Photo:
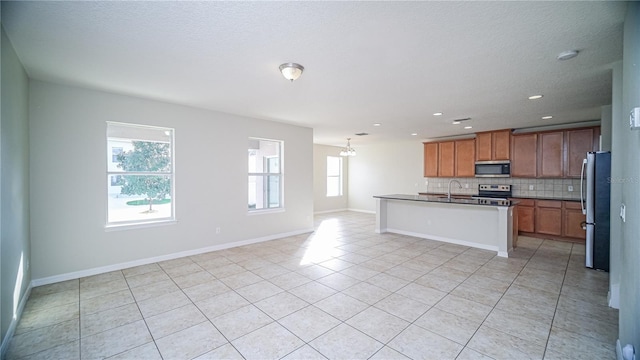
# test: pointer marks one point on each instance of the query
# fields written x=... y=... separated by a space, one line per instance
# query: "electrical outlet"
x=570 y=188
x=218 y=230
x=530 y=187
x=466 y=186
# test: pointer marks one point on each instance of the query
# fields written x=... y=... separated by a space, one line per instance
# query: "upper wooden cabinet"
x=551 y=154
x=431 y=159
x=524 y=155
x=450 y=158
x=446 y=159
x=578 y=143
x=493 y=145
x=465 y=157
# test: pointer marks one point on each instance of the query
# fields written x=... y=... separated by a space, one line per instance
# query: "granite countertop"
x=513 y=196
x=442 y=198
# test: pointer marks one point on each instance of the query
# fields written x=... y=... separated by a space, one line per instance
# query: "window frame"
x=265 y=176
x=339 y=176
x=132 y=224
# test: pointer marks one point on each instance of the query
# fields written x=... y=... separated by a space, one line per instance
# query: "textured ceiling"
x=394 y=63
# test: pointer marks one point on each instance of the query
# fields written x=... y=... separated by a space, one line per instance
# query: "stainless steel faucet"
x=449 y=187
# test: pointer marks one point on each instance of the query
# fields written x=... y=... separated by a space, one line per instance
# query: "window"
x=265 y=174
x=140 y=174
x=334 y=176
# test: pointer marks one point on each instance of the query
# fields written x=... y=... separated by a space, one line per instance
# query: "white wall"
x=385 y=168
x=629 y=324
x=14 y=179
x=68 y=180
x=322 y=203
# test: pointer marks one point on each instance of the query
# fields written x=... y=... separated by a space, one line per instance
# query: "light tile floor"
x=343 y=292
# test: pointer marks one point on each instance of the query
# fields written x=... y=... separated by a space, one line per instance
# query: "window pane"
x=333 y=186
x=273 y=191
x=134 y=195
x=265 y=174
x=334 y=165
x=140 y=198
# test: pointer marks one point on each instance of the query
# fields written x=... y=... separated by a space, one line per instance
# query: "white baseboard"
x=14 y=323
x=363 y=211
x=448 y=240
x=125 y=265
x=330 y=211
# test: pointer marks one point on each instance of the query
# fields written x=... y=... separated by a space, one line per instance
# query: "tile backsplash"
x=520 y=187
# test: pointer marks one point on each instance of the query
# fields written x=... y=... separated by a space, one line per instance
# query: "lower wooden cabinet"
x=526 y=215
x=551 y=219
x=573 y=220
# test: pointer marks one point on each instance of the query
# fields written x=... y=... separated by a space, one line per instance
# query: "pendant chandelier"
x=348 y=150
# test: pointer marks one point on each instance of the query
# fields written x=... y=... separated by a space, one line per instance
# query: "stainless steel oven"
x=500 y=168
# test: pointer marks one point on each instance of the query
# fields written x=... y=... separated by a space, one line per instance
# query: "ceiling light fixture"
x=348 y=150
x=566 y=55
x=414 y=134
x=456 y=122
x=468 y=127
x=535 y=97
x=547 y=117
x=291 y=71
x=376 y=124
x=437 y=114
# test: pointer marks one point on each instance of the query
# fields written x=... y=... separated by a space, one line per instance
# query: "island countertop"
x=452 y=200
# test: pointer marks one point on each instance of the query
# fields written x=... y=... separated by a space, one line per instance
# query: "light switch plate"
x=623 y=213
x=634 y=119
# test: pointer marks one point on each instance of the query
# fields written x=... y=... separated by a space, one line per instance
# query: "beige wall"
x=322 y=203
x=69 y=183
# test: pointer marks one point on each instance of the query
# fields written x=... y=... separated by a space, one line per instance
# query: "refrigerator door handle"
x=582 y=183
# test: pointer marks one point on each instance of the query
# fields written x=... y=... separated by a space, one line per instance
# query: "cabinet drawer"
x=549 y=204
x=572 y=205
x=526 y=202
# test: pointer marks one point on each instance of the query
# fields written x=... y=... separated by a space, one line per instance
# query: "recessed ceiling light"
x=535 y=97
x=547 y=117
x=414 y=134
x=566 y=55
x=377 y=124
x=437 y=114
x=468 y=127
x=456 y=122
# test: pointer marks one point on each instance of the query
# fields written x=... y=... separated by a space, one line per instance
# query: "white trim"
x=266 y=211
x=125 y=265
x=448 y=240
x=614 y=296
x=14 y=322
x=362 y=211
x=330 y=211
x=139 y=225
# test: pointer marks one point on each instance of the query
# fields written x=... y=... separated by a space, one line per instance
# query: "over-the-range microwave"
x=497 y=168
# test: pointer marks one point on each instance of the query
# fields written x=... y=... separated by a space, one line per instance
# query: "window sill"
x=265 y=211
x=120 y=227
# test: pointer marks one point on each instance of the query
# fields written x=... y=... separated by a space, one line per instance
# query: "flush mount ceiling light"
x=468 y=127
x=414 y=134
x=377 y=124
x=437 y=114
x=566 y=55
x=547 y=117
x=348 y=150
x=291 y=71
x=535 y=97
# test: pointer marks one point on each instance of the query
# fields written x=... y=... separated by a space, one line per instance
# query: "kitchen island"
x=480 y=223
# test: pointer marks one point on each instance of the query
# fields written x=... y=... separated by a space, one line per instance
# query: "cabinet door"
x=549 y=217
x=465 y=157
x=484 y=147
x=501 y=145
x=446 y=159
x=579 y=142
x=430 y=159
x=550 y=154
x=526 y=216
x=524 y=155
x=572 y=221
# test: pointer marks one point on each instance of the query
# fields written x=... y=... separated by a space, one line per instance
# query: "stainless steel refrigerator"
x=595 y=197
